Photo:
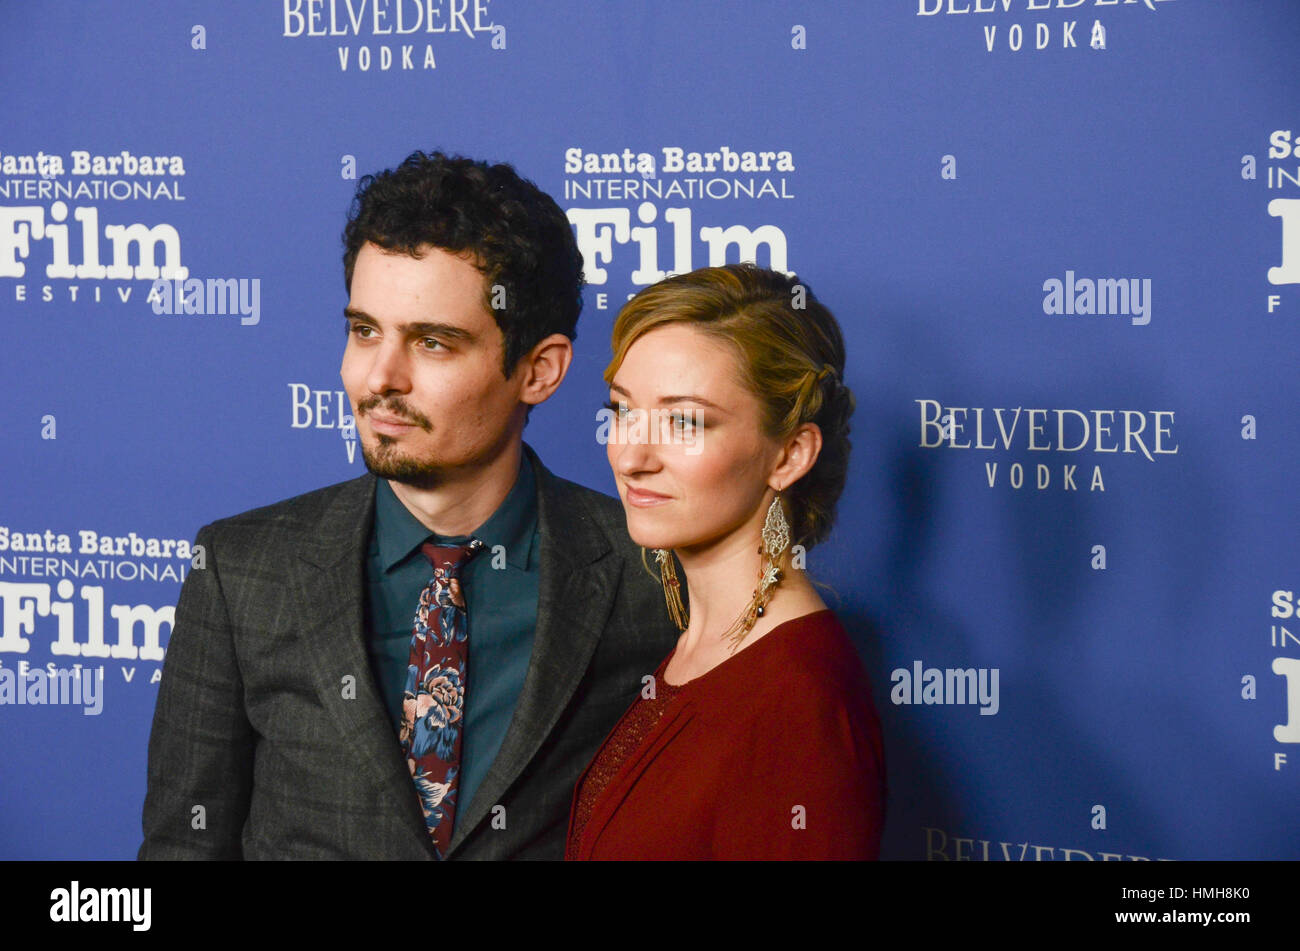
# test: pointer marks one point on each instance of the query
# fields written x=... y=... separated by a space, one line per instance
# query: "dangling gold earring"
x=776 y=539
x=672 y=588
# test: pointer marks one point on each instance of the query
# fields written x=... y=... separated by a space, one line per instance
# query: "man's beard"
x=385 y=459
x=388 y=462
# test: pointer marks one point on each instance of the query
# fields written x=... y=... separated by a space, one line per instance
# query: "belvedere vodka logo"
x=330 y=410
x=1042 y=25
x=1023 y=434
x=941 y=846
x=390 y=35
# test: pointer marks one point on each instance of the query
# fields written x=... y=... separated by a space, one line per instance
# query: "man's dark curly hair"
x=520 y=238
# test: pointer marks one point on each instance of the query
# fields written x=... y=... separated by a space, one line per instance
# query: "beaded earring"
x=672 y=588
x=776 y=539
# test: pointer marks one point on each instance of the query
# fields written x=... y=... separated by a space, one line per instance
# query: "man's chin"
x=388 y=464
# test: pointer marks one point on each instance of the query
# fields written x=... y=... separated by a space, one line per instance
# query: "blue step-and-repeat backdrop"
x=1062 y=237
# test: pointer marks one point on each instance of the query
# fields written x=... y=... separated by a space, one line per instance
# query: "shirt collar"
x=512 y=525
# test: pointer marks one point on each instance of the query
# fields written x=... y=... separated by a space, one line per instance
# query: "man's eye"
x=619 y=408
x=432 y=343
x=361 y=330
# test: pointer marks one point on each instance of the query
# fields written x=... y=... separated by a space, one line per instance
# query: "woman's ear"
x=798 y=456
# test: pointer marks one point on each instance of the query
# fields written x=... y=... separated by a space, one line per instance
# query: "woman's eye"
x=687 y=421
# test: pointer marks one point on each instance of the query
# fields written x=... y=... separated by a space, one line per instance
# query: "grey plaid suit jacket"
x=270 y=739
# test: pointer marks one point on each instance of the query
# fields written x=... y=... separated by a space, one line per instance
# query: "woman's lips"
x=643 y=498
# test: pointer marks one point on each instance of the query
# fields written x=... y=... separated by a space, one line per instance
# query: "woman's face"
x=688 y=450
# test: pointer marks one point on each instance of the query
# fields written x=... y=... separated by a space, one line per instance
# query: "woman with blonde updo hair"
x=727 y=431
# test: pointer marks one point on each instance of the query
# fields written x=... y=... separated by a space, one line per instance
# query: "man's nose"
x=389 y=370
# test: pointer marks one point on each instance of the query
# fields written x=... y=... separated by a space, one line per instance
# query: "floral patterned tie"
x=433 y=704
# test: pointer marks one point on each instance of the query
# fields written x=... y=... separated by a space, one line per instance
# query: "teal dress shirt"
x=500 y=586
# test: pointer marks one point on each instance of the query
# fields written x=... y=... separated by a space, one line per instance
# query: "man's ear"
x=544 y=367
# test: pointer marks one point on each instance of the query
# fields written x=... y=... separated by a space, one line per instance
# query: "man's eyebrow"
x=668 y=400
x=418 y=329
x=423 y=329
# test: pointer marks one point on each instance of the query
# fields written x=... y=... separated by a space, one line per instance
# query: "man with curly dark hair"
x=323 y=696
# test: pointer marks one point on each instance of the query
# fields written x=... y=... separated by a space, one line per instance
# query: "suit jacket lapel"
x=329 y=583
x=579 y=578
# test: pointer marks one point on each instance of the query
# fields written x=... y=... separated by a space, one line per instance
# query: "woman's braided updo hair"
x=790 y=355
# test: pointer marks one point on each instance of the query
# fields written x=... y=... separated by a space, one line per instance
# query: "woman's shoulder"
x=804 y=695
x=807 y=658
x=813 y=644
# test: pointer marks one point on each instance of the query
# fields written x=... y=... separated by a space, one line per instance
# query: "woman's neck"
x=720 y=583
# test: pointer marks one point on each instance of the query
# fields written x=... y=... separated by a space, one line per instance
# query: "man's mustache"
x=394 y=406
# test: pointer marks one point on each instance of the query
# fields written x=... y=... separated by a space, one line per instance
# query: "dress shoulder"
x=804 y=754
x=811 y=657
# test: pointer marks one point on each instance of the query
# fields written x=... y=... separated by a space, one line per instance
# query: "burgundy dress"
x=773 y=754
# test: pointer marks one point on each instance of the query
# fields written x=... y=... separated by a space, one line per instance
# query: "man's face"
x=422 y=367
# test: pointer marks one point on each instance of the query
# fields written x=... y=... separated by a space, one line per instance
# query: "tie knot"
x=450 y=558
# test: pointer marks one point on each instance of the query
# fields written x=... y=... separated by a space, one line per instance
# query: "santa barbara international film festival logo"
x=647 y=214
x=1284 y=643
x=390 y=35
x=70 y=604
x=58 y=211
x=66 y=237
x=1281 y=179
x=1045 y=449
x=1017 y=26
